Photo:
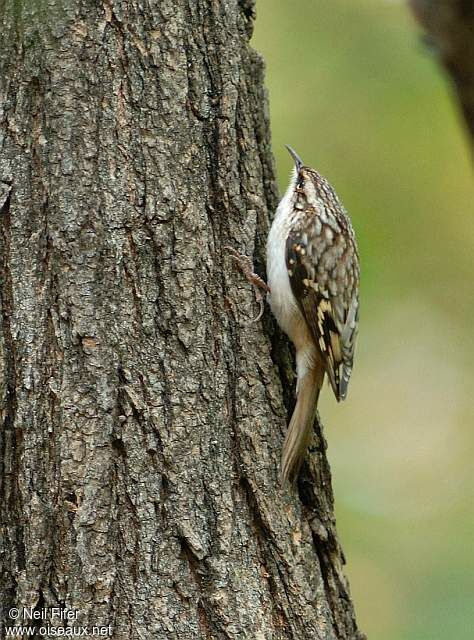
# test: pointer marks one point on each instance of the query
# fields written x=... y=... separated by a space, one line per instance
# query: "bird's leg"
x=245 y=265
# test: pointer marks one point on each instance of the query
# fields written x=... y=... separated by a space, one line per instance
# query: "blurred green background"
x=354 y=90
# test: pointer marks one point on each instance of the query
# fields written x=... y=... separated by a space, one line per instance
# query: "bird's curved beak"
x=296 y=158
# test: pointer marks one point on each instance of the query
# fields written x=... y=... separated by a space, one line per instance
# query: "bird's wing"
x=323 y=272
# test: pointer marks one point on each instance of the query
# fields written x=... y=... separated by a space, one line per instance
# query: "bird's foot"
x=245 y=265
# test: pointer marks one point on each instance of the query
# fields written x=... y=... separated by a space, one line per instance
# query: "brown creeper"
x=313 y=274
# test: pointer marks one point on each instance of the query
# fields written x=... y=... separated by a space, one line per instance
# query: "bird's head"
x=305 y=179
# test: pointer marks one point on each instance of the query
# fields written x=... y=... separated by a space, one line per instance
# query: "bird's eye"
x=300 y=184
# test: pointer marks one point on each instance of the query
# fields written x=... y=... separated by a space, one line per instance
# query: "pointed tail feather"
x=301 y=423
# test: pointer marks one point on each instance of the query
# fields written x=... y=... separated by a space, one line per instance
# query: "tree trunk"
x=142 y=417
x=450 y=28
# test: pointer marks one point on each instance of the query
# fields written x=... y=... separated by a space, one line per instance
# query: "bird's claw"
x=245 y=265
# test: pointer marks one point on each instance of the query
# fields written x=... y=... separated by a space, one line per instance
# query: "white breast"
x=281 y=296
x=282 y=301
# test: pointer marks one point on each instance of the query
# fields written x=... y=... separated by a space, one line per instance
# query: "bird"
x=313 y=291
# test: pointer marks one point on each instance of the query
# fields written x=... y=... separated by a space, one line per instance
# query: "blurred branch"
x=450 y=28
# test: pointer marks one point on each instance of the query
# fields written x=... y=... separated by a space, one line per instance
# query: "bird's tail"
x=301 y=423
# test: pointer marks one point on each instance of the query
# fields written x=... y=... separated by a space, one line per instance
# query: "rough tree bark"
x=450 y=28
x=142 y=419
